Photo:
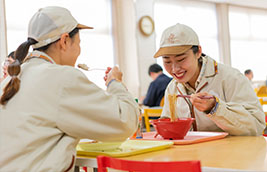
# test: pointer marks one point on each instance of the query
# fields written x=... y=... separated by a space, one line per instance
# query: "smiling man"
x=233 y=108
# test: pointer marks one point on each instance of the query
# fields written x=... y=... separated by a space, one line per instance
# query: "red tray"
x=191 y=137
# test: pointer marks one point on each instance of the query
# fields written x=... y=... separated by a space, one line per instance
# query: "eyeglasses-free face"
x=5 y=64
x=183 y=67
x=7 y=61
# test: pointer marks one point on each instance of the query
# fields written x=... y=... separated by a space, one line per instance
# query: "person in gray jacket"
x=47 y=105
x=221 y=98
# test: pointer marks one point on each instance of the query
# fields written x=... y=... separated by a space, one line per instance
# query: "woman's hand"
x=113 y=73
x=106 y=73
x=203 y=104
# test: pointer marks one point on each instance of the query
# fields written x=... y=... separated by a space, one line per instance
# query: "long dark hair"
x=14 y=68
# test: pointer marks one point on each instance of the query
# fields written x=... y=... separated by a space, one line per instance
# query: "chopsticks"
x=189 y=96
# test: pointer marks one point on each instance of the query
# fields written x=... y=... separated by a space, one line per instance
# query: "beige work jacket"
x=55 y=107
x=239 y=111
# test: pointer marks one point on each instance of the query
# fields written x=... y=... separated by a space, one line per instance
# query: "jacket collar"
x=41 y=55
x=211 y=67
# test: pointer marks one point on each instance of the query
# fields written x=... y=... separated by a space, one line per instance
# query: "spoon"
x=85 y=67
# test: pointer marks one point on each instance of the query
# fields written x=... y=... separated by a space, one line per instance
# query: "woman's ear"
x=199 y=51
x=63 y=40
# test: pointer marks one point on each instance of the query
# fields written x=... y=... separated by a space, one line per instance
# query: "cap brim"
x=175 y=50
x=81 y=26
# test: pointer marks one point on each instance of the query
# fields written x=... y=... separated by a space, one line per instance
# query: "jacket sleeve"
x=239 y=112
x=87 y=111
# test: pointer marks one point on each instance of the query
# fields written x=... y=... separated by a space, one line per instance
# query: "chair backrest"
x=151 y=112
x=262 y=91
x=161 y=102
x=147 y=166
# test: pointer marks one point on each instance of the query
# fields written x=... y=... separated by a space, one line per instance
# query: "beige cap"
x=177 y=39
x=49 y=23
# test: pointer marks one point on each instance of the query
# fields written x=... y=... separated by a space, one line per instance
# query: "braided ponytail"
x=14 y=69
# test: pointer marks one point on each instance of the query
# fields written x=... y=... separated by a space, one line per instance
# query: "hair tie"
x=13 y=76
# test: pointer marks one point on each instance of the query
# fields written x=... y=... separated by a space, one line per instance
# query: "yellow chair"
x=262 y=91
x=151 y=112
x=161 y=102
x=262 y=101
x=262 y=94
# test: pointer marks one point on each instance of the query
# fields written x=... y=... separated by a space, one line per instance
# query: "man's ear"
x=63 y=40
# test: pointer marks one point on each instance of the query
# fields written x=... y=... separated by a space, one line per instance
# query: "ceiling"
x=248 y=3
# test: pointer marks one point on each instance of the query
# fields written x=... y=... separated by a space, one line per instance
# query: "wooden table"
x=233 y=152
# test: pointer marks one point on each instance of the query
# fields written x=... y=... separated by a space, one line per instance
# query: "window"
x=200 y=16
x=96 y=44
x=249 y=40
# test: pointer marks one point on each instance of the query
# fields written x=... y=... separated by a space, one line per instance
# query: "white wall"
x=146 y=47
x=134 y=51
x=3 y=45
x=124 y=30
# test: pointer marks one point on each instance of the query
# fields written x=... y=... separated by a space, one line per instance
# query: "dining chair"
x=151 y=112
x=161 y=102
x=262 y=94
x=84 y=169
x=262 y=91
x=147 y=166
x=265 y=130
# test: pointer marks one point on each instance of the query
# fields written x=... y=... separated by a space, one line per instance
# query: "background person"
x=157 y=87
x=48 y=105
x=233 y=106
x=10 y=59
x=249 y=74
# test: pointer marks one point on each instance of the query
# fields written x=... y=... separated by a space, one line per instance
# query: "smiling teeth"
x=180 y=75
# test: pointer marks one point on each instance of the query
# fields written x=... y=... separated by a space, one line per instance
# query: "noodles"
x=172 y=103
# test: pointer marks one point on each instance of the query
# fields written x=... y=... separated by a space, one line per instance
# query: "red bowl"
x=172 y=129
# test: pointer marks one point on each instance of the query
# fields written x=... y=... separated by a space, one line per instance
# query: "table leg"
x=77 y=169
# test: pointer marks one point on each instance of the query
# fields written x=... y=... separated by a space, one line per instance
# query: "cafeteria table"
x=238 y=153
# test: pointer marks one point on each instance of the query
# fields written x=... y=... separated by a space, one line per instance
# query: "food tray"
x=190 y=138
x=127 y=148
